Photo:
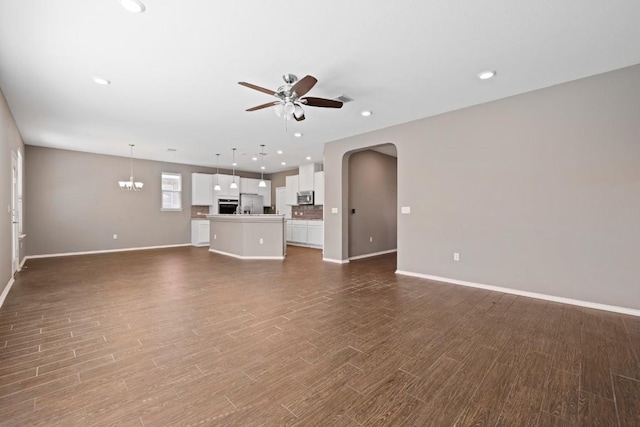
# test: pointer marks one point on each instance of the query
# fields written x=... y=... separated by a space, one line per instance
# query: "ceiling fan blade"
x=303 y=86
x=258 y=88
x=321 y=102
x=260 y=107
x=299 y=119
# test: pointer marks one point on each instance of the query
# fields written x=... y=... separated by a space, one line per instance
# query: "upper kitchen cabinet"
x=265 y=192
x=307 y=176
x=292 y=190
x=249 y=185
x=318 y=188
x=201 y=189
x=225 y=185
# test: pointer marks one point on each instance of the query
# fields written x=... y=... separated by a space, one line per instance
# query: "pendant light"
x=233 y=183
x=131 y=185
x=262 y=183
x=217 y=186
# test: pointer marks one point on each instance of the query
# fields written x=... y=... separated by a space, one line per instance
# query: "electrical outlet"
x=456 y=256
x=261 y=241
x=370 y=239
x=334 y=210
x=115 y=237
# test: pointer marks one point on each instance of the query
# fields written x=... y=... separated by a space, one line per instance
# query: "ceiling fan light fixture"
x=289 y=108
x=298 y=111
x=279 y=109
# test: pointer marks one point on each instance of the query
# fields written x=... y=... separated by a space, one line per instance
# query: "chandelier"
x=131 y=185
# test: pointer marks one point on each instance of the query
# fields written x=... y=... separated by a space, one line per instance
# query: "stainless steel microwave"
x=305 y=197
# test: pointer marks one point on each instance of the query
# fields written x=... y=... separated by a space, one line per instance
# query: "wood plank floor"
x=186 y=337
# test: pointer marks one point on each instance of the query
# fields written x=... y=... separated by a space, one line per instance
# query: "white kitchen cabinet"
x=225 y=183
x=307 y=176
x=249 y=185
x=315 y=233
x=307 y=233
x=318 y=188
x=292 y=190
x=289 y=232
x=200 y=232
x=201 y=189
x=299 y=234
x=265 y=192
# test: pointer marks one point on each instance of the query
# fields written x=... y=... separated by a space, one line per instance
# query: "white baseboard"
x=143 y=248
x=22 y=263
x=390 y=251
x=336 y=261
x=563 y=300
x=302 y=245
x=6 y=290
x=246 y=257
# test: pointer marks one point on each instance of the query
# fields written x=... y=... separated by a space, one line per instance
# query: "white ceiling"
x=174 y=69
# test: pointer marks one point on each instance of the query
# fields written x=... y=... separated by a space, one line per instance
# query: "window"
x=171 y=191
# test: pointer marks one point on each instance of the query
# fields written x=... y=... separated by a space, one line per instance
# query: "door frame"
x=15 y=220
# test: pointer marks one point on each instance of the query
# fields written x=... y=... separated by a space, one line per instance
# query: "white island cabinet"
x=200 y=232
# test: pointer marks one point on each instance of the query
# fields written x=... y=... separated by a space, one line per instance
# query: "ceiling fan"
x=290 y=97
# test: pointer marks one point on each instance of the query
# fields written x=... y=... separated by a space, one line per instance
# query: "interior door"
x=281 y=203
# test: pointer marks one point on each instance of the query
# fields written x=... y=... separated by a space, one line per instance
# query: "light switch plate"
x=334 y=210
x=405 y=209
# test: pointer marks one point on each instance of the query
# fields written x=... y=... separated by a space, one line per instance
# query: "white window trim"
x=162 y=209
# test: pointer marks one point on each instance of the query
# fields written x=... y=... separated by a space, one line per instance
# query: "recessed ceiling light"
x=101 y=81
x=280 y=151
x=297 y=134
x=234 y=164
x=308 y=157
x=366 y=113
x=262 y=167
x=135 y=6
x=283 y=163
x=485 y=75
x=254 y=159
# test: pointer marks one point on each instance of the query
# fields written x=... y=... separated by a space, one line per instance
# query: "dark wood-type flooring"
x=186 y=337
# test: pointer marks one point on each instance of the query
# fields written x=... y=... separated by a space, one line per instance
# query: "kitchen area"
x=234 y=215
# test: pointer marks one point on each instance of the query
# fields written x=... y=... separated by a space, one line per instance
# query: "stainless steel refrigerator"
x=251 y=204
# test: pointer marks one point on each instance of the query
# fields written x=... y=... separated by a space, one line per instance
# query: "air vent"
x=344 y=99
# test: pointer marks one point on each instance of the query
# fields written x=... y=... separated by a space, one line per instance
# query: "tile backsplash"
x=307 y=212
x=199 y=211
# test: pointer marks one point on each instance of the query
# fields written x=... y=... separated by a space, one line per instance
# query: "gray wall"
x=372 y=184
x=539 y=192
x=10 y=142
x=279 y=179
x=75 y=205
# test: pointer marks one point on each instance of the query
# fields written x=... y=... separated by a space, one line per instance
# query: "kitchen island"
x=248 y=236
